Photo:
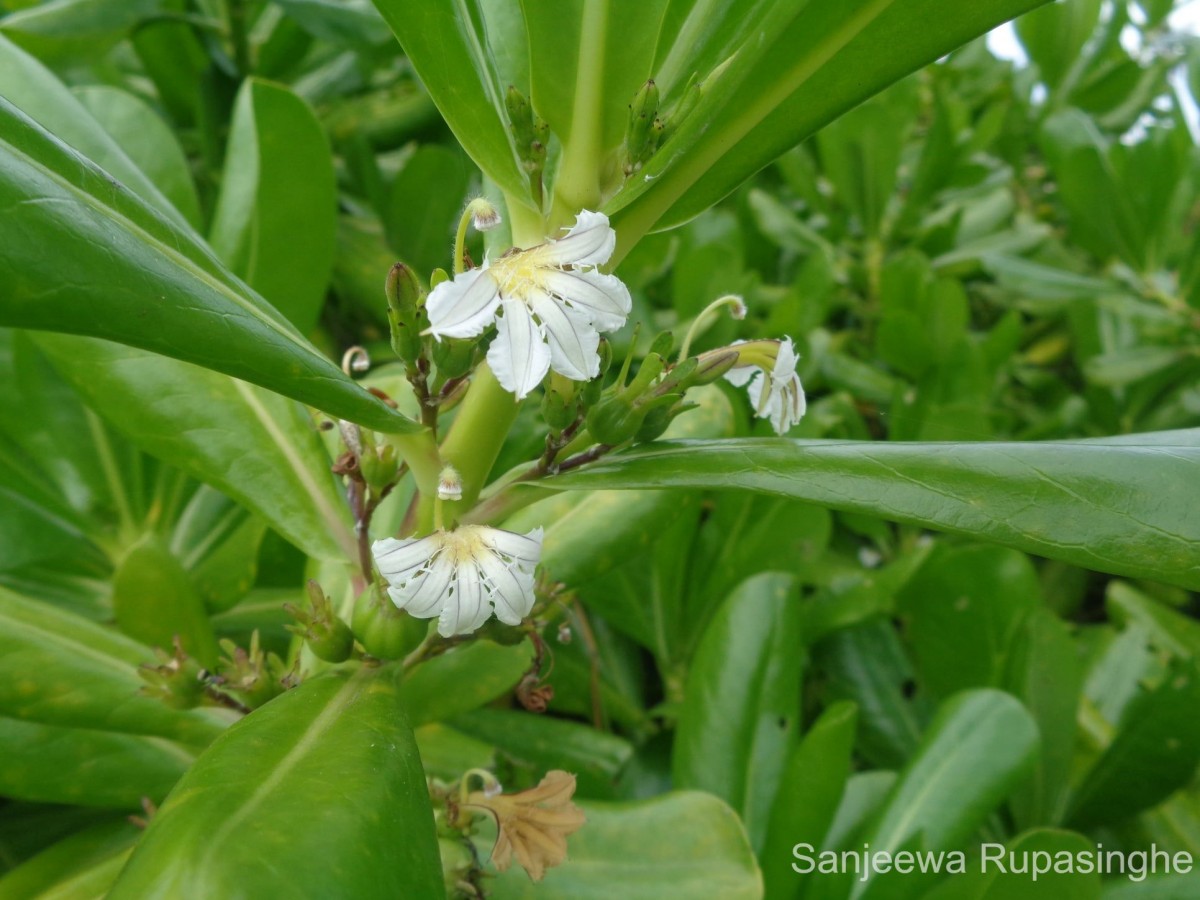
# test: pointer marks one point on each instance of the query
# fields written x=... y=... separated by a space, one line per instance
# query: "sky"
x=1186 y=18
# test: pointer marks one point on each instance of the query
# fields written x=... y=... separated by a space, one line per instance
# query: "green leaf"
x=1046 y=673
x=69 y=861
x=1112 y=504
x=87 y=257
x=1171 y=630
x=818 y=62
x=976 y=750
x=463 y=679
x=155 y=602
x=1042 y=846
x=962 y=612
x=148 y=141
x=809 y=794
x=69 y=29
x=423 y=207
x=242 y=820
x=60 y=669
x=455 y=48
x=696 y=843
x=1154 y=753
x=740 y=715
x=85 y=767
x=595 y=757
x=258 y=448
x=275 y=223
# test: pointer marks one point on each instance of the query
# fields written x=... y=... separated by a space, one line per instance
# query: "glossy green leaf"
x=1049 y=885
x=275 y=223
x=824 y=60
x=148 y=141
x=154 y=602
x=868 y=665
x=975 y=751
x=85 y=767
x=241 y=822
x=696 y=843
x=65 y=863
x=258 y=448
x=61 y=669
x=463 y=679
x=424 y=205
x=455 y=48
x=595 y=757
x=1044 y=670
x=962 y=613
x=740 y=716
x=1155 y=752
x=121 y=271
x=810 y=791
x=1111 y=504
x=69 y=29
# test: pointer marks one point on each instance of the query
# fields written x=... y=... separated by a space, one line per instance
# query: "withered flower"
x=533 y=824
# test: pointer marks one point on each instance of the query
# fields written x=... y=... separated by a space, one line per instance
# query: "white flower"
x=548 y=302
x=462 y=576
x=778 y=394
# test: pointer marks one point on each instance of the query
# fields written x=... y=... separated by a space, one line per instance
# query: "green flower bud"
x=615 y=420
x=177 y=680
x=378 y=466
x=640 y=137
x=250 y=676
x=659 y=415
x=404 y=296
x=453 y=357
x=384 y=631
x=326 y=635
x=520 y=118
x=557 y=411
x=711 y=366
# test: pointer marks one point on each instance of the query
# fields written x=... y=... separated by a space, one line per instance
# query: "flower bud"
x=712 y=365
x=449 y=484
x=558 y=411
x=615 y=420
x=326 y=634
x=659 y=415
x=378 y=465
x=453 y=357
x=384 y=631
x=177 y=680
x=484 y=216
x=640 y=137
x=404 y=297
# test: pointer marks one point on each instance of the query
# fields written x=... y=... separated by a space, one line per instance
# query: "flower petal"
x=512 y=589
x=525 y=548
x=604 y=299
x=397 y=559
x=425 y=595
x=464 y=307
x=463 y=603
x=740 y=375
x=590 y=242
x=518 y=356
x=573 y=339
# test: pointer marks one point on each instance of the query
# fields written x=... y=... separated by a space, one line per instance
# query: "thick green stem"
x=577 y=185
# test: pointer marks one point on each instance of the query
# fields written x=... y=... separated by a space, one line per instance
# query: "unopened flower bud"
x=326 y=635
x=378 y=465
x=712 y=365
x=404 y=296
x=384 y=631
x=484 y=215
x=449 y=484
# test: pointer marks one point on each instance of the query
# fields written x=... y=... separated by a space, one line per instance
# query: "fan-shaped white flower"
x=777 y=394
x=462 y=576
x=549 y=304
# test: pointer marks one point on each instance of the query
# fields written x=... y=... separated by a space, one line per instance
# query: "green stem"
x=577 y=185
